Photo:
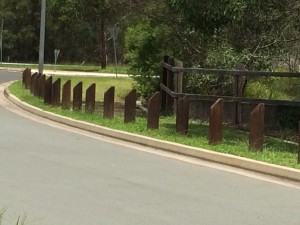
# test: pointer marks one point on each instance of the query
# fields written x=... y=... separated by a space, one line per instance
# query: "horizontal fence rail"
x=229 y=98
x=224 y=72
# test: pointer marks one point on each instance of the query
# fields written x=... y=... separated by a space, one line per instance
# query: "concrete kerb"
x=235 y=161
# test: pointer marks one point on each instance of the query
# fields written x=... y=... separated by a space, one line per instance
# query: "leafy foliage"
x=144 y=53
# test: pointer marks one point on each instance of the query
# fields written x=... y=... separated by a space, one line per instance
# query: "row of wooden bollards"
x=50 y=92
x=256 y=125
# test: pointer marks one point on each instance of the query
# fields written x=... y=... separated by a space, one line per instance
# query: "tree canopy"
x=216 y=33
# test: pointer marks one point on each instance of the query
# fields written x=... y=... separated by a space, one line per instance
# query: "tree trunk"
x=102 y=43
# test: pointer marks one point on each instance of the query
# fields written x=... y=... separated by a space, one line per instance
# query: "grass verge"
x=122 y=85
x=276 y=151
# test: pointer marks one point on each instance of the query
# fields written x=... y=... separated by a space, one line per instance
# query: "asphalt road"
x=57 y=176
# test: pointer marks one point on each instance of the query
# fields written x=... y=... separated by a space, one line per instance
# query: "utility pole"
x=1 y=42
x=42 y=37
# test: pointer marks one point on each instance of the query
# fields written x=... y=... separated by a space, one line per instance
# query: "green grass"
x=122 y=85
x=122 y=69
x=275 y=151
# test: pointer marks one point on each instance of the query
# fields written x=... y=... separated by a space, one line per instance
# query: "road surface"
x=58 y=175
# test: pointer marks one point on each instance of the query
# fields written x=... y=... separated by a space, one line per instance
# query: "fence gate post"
x=170 y=85
x=239 y=82
x=164 y=80
x=178 y=79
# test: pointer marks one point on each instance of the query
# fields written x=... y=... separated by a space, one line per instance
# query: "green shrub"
x=145 y=44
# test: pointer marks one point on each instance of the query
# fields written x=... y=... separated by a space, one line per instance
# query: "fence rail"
x=224 y=72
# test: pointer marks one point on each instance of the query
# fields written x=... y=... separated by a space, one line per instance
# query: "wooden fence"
x=52 y=95
x=171 y=92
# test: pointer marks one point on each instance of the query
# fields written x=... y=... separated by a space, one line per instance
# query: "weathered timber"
x=77 y=97
x=130 y=107
x=37 y=85
x=56 y=93
x=41 y=85
x=224 y=72
x=154 y=104
x=239 y=83
x=26 y=78
x=216 y=122
x=66 y=95
x=109 y=103
x=170 y=85
x=256 y=128
x=33 y=83
x=90 y=99
x=178 y=82
x=164 y=80
x=48 y=91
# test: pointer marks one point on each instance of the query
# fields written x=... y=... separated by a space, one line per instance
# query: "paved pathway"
x=60 y=176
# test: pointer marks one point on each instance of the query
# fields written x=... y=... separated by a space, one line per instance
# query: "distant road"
x=58 y=175
x=9 y=76
x=62 y=72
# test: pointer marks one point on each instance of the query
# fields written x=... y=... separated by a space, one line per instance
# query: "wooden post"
x=256 y=128
x=33 y=83
x=26 y=78
x=109 y=103
x=238 y=89
x=36 y=88
x=48 y=91
x=77 y=97
x=42 y=81
x=164 y=79
x=170 y=85
x=130 y=107
x=90 y=99
x=178 y=79
x=66 y=96
x=56 y=93
x=216 y=122
x=153 y=111
x=182 y=116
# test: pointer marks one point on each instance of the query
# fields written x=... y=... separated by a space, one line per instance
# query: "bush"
x=145 y=44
